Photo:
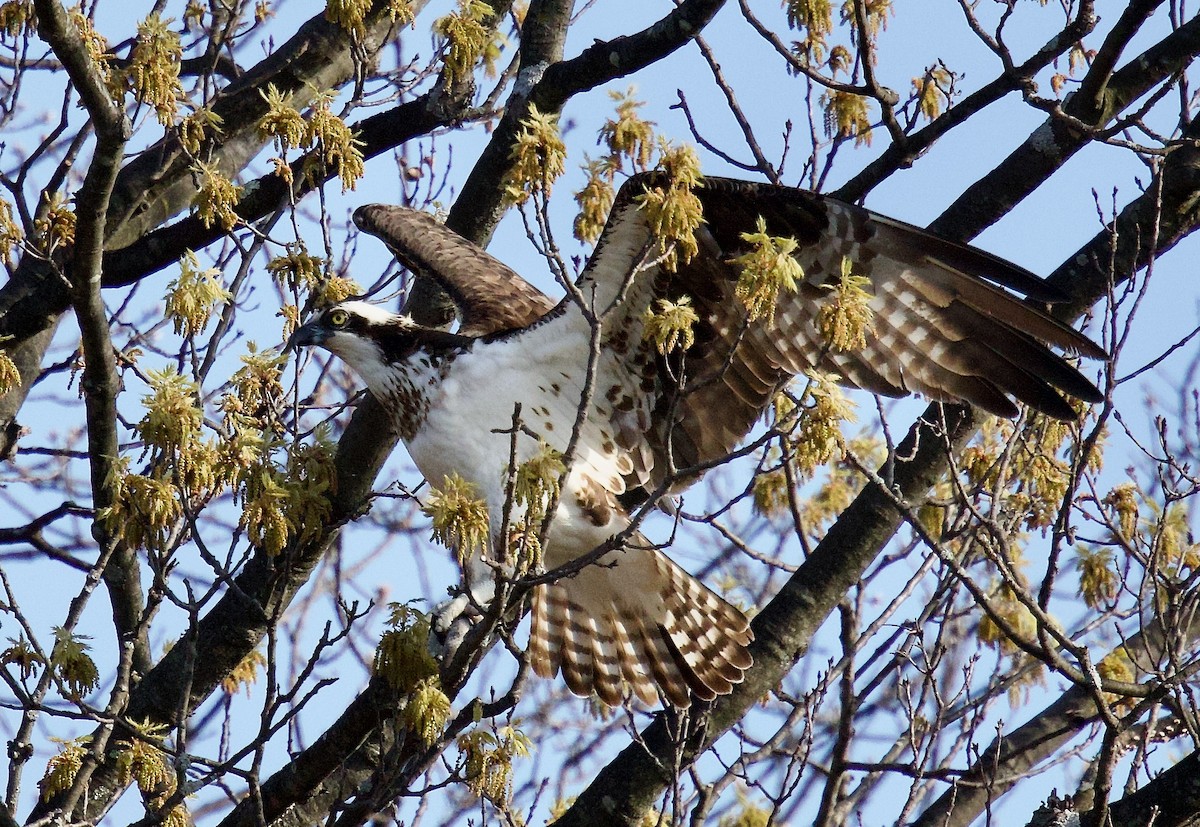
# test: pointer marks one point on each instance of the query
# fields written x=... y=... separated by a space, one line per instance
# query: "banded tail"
x=636 y=620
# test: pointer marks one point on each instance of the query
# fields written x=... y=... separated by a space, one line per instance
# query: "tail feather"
x=698 y=686
x=546 y=638
x=606 y=662
x=636 y=622
x=577 y=652
x=713 y=653
x=657 y=654
x=639 y=680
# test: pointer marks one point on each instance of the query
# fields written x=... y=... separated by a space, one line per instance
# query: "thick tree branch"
x=1053 y=143
x=1011 y=757
x=305 y=774
x=100 y=382
x=1172 y=799
x=900 y=156
x=548 y=83
x=1092 y=87
x=1169 y=210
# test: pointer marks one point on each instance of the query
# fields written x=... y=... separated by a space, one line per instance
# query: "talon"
x=447 y=612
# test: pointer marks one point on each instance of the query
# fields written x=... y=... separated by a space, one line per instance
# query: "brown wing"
x=490 y=296
x=939 y=328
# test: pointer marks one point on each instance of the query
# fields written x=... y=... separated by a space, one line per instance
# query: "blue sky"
x=1038 y=234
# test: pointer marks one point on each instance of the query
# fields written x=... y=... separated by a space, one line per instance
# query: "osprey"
x=942 y=325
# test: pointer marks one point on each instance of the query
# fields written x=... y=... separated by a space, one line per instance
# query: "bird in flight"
x=645 y=415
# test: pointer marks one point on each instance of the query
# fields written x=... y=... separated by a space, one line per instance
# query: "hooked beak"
x=307 y=336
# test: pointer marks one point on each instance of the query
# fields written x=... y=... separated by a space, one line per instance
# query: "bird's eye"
x=339 y=318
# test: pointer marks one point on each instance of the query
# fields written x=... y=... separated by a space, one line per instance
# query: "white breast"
x=469 y=424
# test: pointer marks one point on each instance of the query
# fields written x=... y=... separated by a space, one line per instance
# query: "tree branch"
x=1053 y=143
x=100 y=382
x=1171 y=799
x=157 y=183
x=900 y=156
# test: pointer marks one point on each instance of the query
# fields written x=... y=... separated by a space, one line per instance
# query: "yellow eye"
x=339 y=318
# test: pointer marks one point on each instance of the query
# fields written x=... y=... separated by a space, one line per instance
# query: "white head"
x=368 y=338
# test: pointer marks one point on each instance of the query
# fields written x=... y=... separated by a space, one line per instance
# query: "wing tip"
x=364 y=217
x=1089 y=350
x=373 y=218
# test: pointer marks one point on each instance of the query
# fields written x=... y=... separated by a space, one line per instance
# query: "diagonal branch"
x=1010 y=757
x=548 y=82
x=1054 y=142
x=900 y=156
x=1171 y=799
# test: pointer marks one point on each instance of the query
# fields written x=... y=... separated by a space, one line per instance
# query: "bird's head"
x=366 y=337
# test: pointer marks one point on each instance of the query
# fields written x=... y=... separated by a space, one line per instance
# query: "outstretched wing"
x=490 y=296
x=942 y=326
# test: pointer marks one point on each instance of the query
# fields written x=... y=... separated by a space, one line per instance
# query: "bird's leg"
x=453 y=618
